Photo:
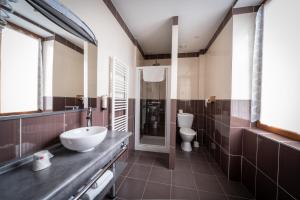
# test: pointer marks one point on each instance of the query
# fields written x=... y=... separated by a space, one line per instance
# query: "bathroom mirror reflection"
x=43 y=67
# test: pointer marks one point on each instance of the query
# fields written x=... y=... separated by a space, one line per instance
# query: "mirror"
x=43 y=67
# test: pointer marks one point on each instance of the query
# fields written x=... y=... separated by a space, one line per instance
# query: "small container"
x=41 y=160
x=104 y=103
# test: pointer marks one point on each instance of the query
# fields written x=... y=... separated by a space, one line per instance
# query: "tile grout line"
x=147 y=179
x=20 y=135
x=223 y=190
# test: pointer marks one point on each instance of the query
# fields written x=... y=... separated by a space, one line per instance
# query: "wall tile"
x=174 y=110
x=289 y=165
x=9 y=140
x=41 y=132
x=267 y=157
x=97 y=117
x=226 y=111
x=218 y=155
x=224 y=162
x=225 y=137
x=249 y=146
x=235 y=168
x=282 y=195
x=218 y=132
x=236 y=141
x=265 y=188
x=58 y=103
x=248 y=175
x=218 y=110
x=72 y=120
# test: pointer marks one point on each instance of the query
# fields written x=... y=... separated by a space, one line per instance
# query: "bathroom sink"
x=83 y=139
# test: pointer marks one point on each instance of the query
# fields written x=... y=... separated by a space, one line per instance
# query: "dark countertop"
x=69 y=170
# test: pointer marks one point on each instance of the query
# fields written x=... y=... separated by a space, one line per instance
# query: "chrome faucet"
x=89 y=117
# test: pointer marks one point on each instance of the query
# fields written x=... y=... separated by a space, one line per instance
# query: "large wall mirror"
x=43 y=67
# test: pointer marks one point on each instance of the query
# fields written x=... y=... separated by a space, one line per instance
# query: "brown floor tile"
x=160 y=175
x=182 y=165
x=203 y=168
x=235 y=188
x=211 y=196
x=183 y=179
x=157 y=191
x=145 y=160
x=183 y=193
x=139 y=172
x=131 y=189
x=127 y=169
x=208 y=183
x=162 y=162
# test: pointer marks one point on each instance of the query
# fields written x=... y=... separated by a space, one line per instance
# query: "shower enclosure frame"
x=153 y=147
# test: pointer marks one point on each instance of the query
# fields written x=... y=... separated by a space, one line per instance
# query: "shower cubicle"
x=152 y=113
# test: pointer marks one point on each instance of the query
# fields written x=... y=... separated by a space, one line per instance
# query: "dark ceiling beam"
x=168 y=56
x=120 y=20
x=232 y=11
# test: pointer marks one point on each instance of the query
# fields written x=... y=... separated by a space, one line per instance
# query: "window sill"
x=275 y=137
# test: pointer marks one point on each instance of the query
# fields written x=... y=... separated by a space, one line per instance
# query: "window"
x=280 y=103
x=19 y=72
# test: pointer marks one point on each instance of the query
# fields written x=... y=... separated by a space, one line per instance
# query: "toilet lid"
x=187 y=131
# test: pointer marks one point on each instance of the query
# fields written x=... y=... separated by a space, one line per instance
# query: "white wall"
x=201 y=77
x=242 y=55
x=112 y=40
x=218 y=64
x=281 y=65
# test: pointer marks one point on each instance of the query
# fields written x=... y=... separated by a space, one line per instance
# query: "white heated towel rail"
x=119 y=93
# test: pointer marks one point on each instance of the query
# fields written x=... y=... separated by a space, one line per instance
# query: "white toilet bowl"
x=187 y=135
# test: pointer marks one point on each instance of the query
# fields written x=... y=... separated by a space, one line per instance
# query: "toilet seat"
x=187 y=131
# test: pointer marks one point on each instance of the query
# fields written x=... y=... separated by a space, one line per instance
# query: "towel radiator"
x=119 y=93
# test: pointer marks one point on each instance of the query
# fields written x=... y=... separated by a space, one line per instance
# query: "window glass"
x=19 y=72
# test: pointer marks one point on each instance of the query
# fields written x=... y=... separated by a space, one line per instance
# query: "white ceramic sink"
x=83 y=139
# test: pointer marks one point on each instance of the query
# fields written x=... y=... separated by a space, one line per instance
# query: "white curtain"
x=40 y=78
x=257 y=66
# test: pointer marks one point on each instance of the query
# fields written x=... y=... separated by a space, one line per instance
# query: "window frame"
x=26 y=32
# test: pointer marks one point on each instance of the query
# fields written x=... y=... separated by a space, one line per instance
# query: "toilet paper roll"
x=101 y=183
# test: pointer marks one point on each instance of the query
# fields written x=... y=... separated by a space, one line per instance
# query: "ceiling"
x=26 y=10
x=150 y=21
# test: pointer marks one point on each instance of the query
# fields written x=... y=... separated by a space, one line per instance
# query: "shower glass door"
x=152 y=106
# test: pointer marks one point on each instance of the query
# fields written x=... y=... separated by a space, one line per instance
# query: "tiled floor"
x=195 y=177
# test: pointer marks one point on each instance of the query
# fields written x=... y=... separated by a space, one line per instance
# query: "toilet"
x=185 y=122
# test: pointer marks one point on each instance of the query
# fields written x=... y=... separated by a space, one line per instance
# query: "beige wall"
x=67 y=71
x=188 y=78
x=112 y=40
x=242 y=55
x=218 y=63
